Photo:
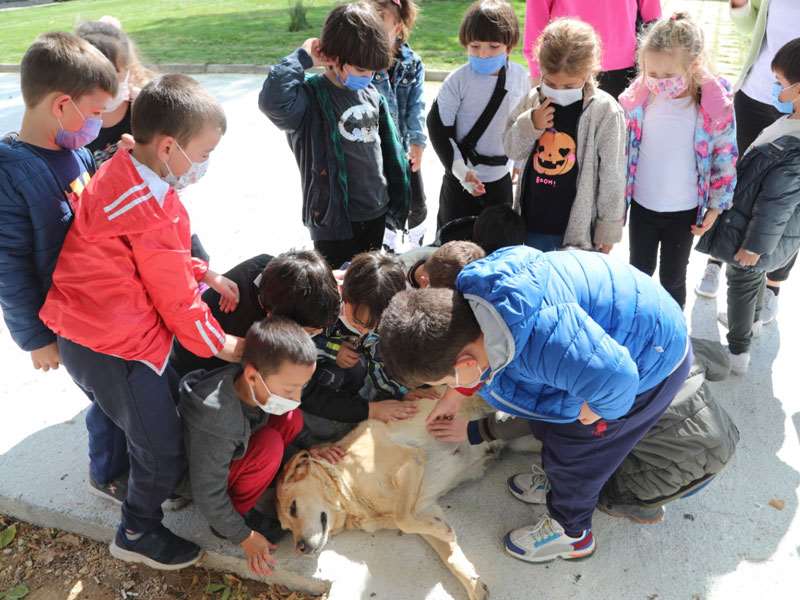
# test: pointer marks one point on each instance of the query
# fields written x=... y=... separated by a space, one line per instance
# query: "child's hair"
x=569 y=46
x=680 y=36
x=372 y=280
x=174 y=105
x=353 y=34
x=272 y=342
x=405 y=11
x=787 y=61
x=300 y=286
x=489 y=21
x=422 y=333
x=444 y=265
x=107 y=36
x=62 y=62
x=498 y=227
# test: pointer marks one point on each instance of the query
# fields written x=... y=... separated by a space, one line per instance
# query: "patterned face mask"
x=671 y=87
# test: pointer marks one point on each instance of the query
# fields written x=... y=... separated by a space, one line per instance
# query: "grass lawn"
x=257 y=31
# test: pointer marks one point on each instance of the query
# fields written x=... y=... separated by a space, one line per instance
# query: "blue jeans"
x=544 y=241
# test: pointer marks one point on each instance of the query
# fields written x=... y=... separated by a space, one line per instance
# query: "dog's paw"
x=479 y=591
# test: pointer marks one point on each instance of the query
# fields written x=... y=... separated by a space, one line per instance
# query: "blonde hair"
x=569 y=46
x=680 y=36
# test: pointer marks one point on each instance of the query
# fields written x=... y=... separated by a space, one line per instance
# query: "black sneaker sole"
x=135 y=557
x=622 y=515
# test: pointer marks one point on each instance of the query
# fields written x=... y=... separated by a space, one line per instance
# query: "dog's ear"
x=297 y=468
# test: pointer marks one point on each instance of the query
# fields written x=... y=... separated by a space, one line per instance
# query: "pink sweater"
x=614 y=21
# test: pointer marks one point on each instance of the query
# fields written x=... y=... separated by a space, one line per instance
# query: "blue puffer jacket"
x=404 y=92
x=34 y=218
x=566 y=327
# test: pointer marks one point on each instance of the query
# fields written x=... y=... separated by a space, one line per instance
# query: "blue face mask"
x=488 y=65
x=72 y=140
x=355 y=82
x=786 y=108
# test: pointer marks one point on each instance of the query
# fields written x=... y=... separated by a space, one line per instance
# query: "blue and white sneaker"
x=530 y=488
x=547 y=541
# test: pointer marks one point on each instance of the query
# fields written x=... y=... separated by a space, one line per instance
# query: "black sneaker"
x=638 y=514
x=114 y=491
x=158 y=549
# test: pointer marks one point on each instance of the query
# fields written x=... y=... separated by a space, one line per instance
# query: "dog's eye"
x=293 y=509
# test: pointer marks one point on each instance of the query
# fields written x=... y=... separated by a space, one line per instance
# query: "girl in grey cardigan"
x=571 y=136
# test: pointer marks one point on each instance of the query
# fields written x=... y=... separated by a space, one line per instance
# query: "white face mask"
x=123 y=95
x=193 y=175
x=562 y=97
x=469 y=384
x=275 y=405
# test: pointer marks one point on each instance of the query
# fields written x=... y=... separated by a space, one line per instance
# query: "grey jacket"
x=216 y=430
x=598 y=213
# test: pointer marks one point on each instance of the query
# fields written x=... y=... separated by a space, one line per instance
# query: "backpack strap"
x=470 y=141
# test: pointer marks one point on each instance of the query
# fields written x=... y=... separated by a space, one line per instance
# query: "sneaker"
x=547 y=541
x=113 y=491
x=755 y=330
x=158 y=549
x=709 y=284
x=770 y=309
x=634 y=512
x=530 y=488
x=416 y=235
x=739 y=362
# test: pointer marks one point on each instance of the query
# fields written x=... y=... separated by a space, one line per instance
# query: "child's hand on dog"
x=347 y=357
x=258 y=550
x=449 y=429
x=331 y=454
x=392 y=410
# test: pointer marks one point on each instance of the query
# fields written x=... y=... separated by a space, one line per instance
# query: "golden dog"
x=390 y=478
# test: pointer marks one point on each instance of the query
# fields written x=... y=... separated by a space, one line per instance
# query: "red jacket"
x=125 y=282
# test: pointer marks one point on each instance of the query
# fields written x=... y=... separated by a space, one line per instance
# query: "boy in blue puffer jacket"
x=586 y=347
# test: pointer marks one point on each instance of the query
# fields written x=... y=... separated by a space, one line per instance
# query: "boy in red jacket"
x=125 y=285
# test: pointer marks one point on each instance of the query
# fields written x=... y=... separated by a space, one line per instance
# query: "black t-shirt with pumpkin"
x=553 y=173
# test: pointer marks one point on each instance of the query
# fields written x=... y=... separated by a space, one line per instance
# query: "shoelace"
x=539 y=477
x=544 y=529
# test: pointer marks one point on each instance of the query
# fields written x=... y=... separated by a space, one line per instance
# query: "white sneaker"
x=770 y=309
x=531 y=487
x=417 y=234
x=739 y=362
x=547 y=541
x=709 y=284
x=755 y=330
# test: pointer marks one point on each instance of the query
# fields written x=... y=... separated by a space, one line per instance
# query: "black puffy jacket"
x=765 y=216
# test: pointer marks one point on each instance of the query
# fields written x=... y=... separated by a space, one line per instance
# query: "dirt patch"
x=49 y=564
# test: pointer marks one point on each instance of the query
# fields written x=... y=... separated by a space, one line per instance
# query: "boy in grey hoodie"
x=237 y=422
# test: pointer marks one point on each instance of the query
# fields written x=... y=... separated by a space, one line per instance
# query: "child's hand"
x=258 y=550
x=604 y=248
x=331 y=454
x=311 y=45
x=448 y=406
x=126 y=142
x=746 y=258
x=46 y=357
x=415 y=157
x=392 y=410
x=452 y=429
x=587 y=416
x=232 y=350
x=347 y=357
x=708 y=221
x=543 y=116
x=227 y=289
x=478 y=189
x=430 y=393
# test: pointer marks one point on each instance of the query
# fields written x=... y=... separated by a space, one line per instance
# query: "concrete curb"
x=217 y=69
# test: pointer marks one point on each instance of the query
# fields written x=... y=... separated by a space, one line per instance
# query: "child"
x=354 y=171
x=571 y=136
x=761 y=231
x=466 y=122
x=554 y=338
x=125 y=285
x=237 y=422
x=402 y=85
x=117 y=47
x=298 y=285
x=498 y=227
x=66 y=84
x=444 y=265
x=681 y=150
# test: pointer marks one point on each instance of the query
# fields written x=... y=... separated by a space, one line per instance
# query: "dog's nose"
x=303 y=547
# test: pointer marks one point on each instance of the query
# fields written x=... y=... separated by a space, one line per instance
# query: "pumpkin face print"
x=555 y=153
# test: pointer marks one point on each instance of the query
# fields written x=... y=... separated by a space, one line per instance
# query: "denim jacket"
x=404 y=95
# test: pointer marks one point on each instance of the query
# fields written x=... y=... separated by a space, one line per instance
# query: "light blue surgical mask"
x=355 y=82
x=488 y=65
x=786 y=108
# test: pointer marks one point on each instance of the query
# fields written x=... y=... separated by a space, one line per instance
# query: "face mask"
x=786 y=108
x=123 y=95
x=488 y=65
x=72 y=140
x=355 y=82
x=275 y=405
x=671 y=87
x=350 y=327
x=193 y=175
x=468 y=384
x=562 y=97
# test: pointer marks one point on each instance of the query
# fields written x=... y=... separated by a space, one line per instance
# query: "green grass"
x=257 y=31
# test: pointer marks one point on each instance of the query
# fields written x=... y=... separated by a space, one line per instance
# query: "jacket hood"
x=209 y=402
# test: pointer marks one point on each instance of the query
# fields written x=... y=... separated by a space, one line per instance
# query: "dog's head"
x=308 y=503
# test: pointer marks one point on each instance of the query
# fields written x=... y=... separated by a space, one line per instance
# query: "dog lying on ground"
x=390 y=478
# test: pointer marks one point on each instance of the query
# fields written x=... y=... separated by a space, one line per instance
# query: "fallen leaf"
x=17 y=593
x=7 y=535
x=213 y=588
x=69 y=538
x=777 y=504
